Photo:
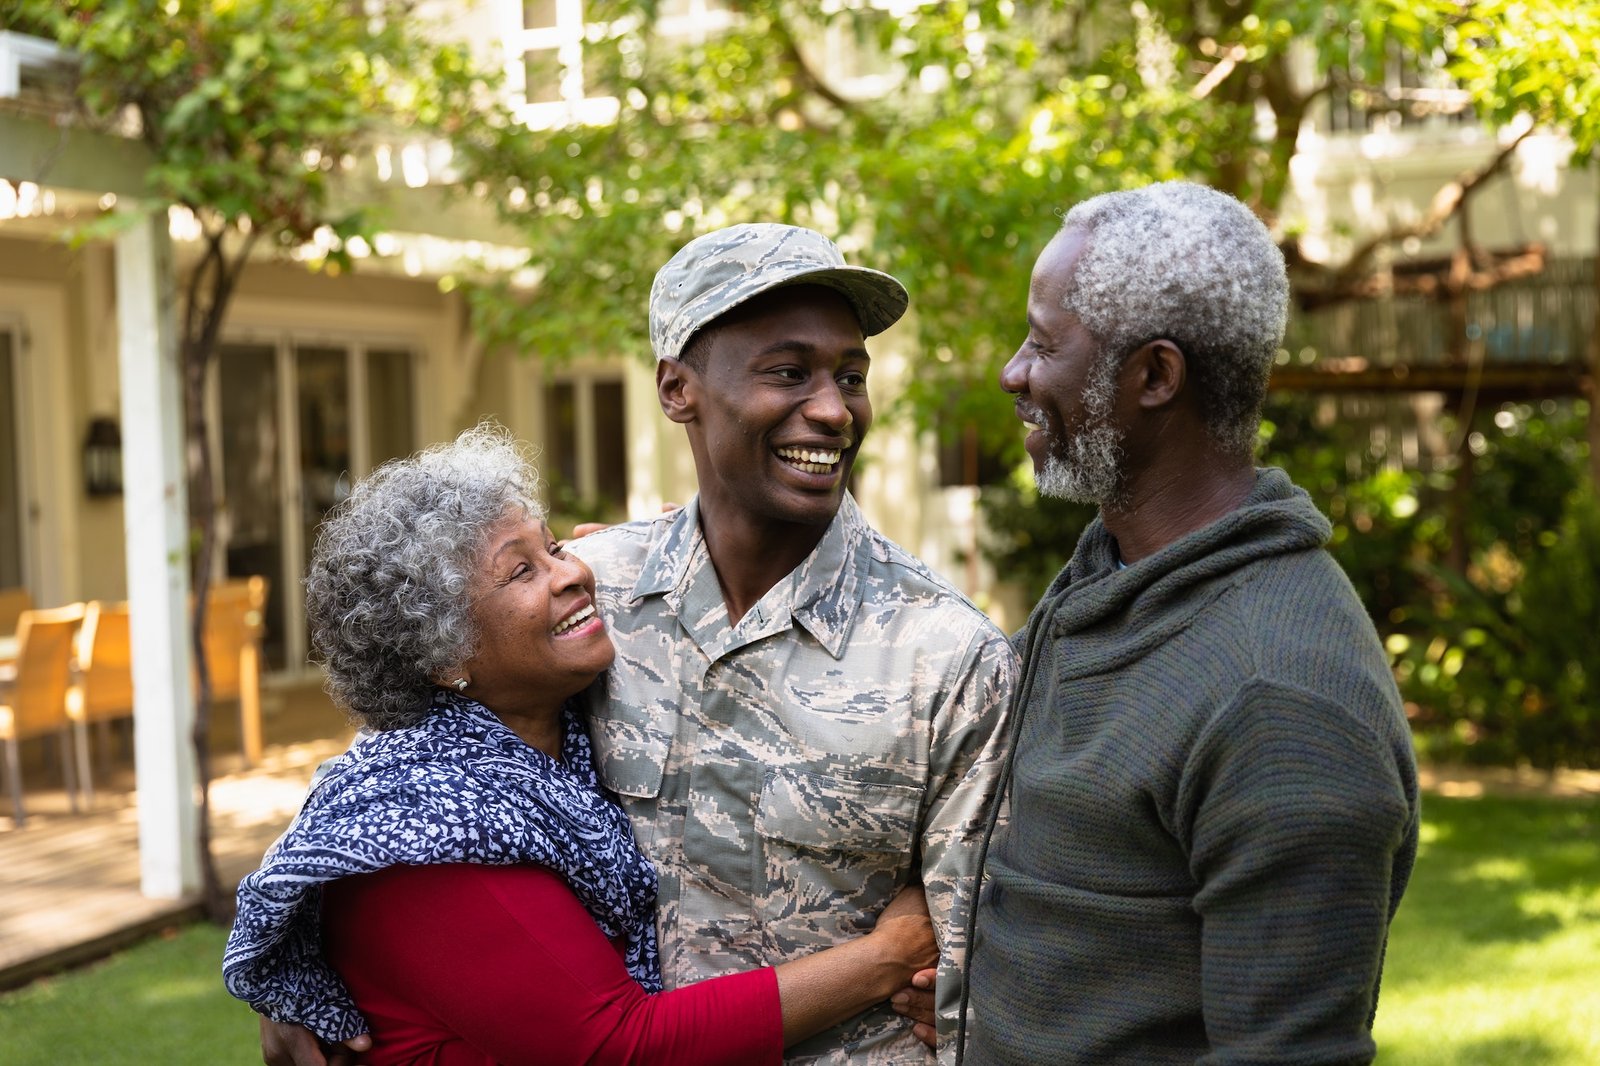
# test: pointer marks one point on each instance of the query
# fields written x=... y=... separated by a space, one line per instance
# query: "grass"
x=1492 y=958
x=159 y=1002
x=1492 y=962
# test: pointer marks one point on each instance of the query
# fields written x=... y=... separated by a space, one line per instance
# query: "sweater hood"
x=1115 y=615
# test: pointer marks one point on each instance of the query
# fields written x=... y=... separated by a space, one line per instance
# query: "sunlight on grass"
x=1499 y=870
x=1492 y=957
x=1492 y=962
x=178 y=991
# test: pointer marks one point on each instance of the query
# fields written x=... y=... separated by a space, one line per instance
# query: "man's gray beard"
x=1087 y=467
x=1091 y=469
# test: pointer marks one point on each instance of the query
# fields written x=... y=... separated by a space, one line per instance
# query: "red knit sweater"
x=466 y=965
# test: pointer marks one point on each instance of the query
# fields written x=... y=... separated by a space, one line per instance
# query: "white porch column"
x=156 y=524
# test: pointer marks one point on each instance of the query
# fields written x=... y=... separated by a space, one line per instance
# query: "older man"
x=1213 y=799
x=801 y=716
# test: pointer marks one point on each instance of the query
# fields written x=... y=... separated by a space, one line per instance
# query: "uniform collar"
x=821 y=594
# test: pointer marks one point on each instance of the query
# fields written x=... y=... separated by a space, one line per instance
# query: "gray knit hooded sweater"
x=1213 y=808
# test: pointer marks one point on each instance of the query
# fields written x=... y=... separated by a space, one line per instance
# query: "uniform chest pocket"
x=830 y=813
x=629 y=759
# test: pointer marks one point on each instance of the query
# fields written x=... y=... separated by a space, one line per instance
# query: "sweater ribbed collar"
x=1114 y=615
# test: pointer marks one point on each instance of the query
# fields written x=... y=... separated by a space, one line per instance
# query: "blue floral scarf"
x=459 y=787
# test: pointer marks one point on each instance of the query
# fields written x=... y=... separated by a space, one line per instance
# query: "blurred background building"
x=323 y=375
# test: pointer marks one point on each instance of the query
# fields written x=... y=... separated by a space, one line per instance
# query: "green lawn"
x=1494 y=961
x=161 y=1002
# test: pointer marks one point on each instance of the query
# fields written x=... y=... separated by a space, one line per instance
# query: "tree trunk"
x=209 y=292
x=1464 y=352
x=1594 y=374
x=1460 y=554
x=203 y=519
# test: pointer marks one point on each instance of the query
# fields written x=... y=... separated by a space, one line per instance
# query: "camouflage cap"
x=714 y=273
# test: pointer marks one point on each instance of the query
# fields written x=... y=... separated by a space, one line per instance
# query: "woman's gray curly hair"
x=1194 y=266
x=387 y=591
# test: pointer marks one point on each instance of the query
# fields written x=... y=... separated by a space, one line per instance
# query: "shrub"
x=1499 y=658
x=1511 y=672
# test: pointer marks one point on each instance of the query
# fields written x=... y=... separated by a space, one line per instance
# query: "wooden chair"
x=235 y=623
x=12 y=603
x=36 y=703
x=104 y=688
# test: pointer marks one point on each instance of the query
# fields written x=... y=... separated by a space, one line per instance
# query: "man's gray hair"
x=388 y=588
x=1194 y=266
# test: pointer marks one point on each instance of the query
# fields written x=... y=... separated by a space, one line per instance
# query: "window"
x=568 y=65
x=1412 y=93
x=295 y=423
x=585 y=457
x=391 y=417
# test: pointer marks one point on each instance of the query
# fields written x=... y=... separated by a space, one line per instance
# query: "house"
x=323 y=377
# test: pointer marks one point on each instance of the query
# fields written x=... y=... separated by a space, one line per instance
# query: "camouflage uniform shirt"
x=789 y=773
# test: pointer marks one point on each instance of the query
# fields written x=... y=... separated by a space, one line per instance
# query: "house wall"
x=41 y=298
x=61 y=301
x=1346 y=187
x=101 y=553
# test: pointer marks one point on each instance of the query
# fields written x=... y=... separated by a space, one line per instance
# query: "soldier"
x=801 y=717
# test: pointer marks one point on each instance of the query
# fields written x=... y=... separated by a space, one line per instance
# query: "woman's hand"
x=826 y=988
x=906 y=918
x=906 y=932
x=583 y=529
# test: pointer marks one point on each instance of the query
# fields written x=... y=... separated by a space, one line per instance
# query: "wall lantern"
x=102 y=458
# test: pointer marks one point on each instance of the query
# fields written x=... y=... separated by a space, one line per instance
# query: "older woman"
x=456 y=883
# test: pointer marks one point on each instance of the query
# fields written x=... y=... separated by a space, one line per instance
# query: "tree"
x=254 y=112
x=987 y=117
x=983 y=118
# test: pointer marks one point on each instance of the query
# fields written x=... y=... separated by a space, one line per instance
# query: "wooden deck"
x=69 y=883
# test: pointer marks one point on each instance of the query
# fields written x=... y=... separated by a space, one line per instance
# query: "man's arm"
x=966 y=754
x=1302 y=835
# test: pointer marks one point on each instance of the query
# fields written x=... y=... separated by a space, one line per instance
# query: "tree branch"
x=222 y=289
x=1219 y=72
x=210 y=260
x=1289 y=111
x=1447 y=202
x=810 y=78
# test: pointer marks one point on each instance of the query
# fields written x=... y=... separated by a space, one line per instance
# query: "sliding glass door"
x=298 y=422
